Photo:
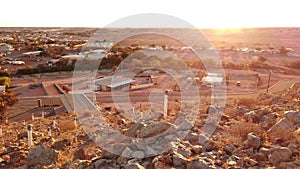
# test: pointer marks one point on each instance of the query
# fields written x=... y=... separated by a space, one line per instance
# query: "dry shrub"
x=242 y=129
x=284 y=134
x=237 y=133
x=247 y=102
x=66 y=125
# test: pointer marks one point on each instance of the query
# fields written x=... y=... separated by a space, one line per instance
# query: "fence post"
x=29 y=134
x=1 y=133
x=49 y=131
x=75 y=122
x=32 y=116
x=54 y=123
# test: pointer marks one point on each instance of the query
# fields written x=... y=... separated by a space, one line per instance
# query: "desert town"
x=59 y=83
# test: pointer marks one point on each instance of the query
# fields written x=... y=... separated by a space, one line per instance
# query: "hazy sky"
x=200 y=13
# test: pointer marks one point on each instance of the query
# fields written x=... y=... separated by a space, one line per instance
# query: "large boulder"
x=41 y=156
x=292 y=116
x=279 y=154
x=268 y=121
x=282 y=126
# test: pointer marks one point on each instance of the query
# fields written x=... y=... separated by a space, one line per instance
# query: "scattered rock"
x=268 y=121
x=292 y=116
x=106 y=154
x=252 y=117
x=252 y=141
x=118 y=148
x=197 y=149
x=289 y=165
x=264 y=151
x=193 y=138
x=101 y=164
x=229 y=149
x=24 y=134
x=241 y=110
x=138 y=154
x=154 y=129
x=81 y=154
x=134 y=129
x=297 y=135
x=198 y=163
x=126 y=152
x=185 y=125
x=160 y=165
x=279 y=154
x=179 y=160
x=281 y=126
x=134 y=166
x=41 y=156
x=78 y=164
x=16 y=157
x=61 y=144
x=149 y=151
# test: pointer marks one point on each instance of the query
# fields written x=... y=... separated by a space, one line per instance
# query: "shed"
x=113 y=82
x=212 y=79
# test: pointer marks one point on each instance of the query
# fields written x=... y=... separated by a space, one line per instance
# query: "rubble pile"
x=265 y=136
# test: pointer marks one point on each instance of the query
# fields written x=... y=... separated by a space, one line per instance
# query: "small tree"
x=283 y=50
x=6 y=99
x=5 y=81
x=262 y=59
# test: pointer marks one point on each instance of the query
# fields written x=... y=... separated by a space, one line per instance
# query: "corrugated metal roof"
x=113 y=81
x=212 y=79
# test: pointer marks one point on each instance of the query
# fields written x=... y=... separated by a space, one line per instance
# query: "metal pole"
x=269 y=81
x=166 y=103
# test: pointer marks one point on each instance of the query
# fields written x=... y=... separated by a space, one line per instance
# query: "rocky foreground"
x=263 y=134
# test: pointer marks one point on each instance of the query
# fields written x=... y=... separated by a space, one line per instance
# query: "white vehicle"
x=18 y=62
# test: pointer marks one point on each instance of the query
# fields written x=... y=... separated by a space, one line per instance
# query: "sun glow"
x=203 y=14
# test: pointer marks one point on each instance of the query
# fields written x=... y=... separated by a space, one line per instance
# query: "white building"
x=212 y=79
x=113 y=82
x=100 y=44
